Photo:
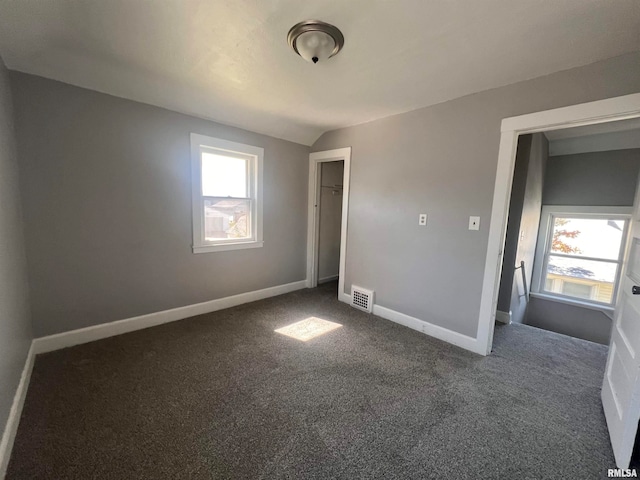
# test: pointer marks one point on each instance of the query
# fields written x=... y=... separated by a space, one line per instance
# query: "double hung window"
x=227 y=194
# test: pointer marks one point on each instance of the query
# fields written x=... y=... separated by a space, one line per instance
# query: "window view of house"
x=226 y=192
x=583 y=258
x=226 y=219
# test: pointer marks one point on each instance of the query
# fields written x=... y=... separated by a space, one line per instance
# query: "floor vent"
x=362 y=298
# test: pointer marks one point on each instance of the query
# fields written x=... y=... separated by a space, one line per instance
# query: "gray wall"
x=516 y=201
x=599 y=178
x=107 y=202
x=331 y=174
x=442 y=160
x=579 y=322
x=15 y=322
x=522 y=226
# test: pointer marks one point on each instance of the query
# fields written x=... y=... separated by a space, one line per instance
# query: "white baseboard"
x=503 y=317
x=9 y=434
x=118 y=327
x=344 y=297
x=330 y=278
x=441 y=333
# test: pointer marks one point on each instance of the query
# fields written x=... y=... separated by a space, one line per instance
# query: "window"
x=580 y=251
x=227 y=194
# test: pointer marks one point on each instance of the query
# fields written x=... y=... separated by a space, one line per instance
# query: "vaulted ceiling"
x=228 y=60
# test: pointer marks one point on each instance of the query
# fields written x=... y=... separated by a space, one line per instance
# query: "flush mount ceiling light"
x=314 y=40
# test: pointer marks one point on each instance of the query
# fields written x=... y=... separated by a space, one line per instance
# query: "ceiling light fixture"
x=314 y=40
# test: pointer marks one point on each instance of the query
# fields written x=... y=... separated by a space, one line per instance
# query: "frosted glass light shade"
x=315 y=46
x=314 y=40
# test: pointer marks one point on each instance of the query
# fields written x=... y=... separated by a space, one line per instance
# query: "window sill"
x=225 y=247
x=607 y=310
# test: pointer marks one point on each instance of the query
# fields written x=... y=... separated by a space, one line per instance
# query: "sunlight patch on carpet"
x=308 y=328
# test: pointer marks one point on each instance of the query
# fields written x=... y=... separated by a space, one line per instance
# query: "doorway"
x=601 y=111
x=620 y=392
x=330 y=177
x=571 y=201
x=328 y=209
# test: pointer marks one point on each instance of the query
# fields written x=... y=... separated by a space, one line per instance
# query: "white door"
x=621 y=386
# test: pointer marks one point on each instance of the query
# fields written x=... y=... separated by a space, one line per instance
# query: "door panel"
x=634 y=260
x=620 y=388
x=628 y=325
x=619 y=380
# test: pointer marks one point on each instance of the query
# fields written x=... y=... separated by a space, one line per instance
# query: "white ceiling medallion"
x=314 y=40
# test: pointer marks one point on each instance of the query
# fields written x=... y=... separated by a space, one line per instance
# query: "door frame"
x=591 y=113
x=313 y=217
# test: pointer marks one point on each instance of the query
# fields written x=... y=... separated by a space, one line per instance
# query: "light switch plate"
x=422 y=219
x=474 y=223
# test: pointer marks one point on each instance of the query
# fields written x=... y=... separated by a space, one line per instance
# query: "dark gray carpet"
x=223 y=396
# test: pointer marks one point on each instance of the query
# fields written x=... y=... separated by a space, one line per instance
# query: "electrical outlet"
x=474 y=223
x=422 y=219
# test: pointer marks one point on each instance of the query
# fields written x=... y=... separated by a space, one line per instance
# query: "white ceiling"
x=601 y=137
x=595 y=129
x=228 y=60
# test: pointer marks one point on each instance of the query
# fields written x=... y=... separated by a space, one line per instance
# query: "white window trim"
x=545 y=232
x=197 y=209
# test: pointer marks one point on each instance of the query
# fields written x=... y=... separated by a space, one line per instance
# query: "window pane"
x=599 y=238
x=579 y=290
x=548 y=285
x=226 y=219
x=586 y=279
x=223 y=176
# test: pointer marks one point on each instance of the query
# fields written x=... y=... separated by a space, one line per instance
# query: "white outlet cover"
x=422 y=219
x=474 y=223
